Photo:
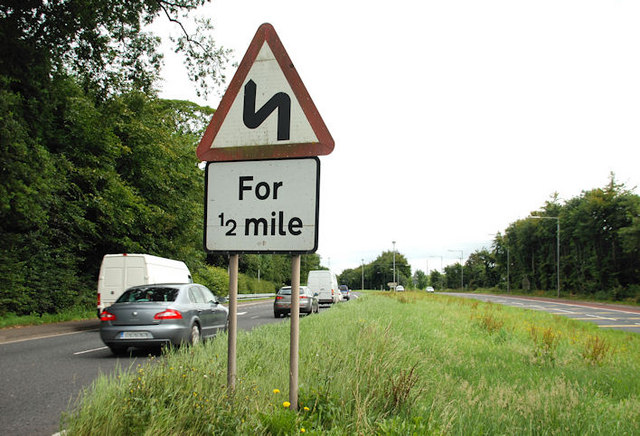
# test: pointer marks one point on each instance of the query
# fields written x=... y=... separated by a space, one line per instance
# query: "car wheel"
x=276 y=315
x=195 y=334
x=118 y=350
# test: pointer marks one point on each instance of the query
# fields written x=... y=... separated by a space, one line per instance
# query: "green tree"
x=437 y=279
x=452 y=274
x=92 y=163
x=480 y=270
x=421 y=279
x=599 y=245
x=600 y=253
x=103 y=43
x=277 y=268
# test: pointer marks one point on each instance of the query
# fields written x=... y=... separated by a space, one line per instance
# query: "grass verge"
x=72 y=314
x=386 y=364
x=600 y=297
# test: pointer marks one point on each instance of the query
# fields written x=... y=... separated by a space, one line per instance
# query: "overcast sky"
x=451 y=119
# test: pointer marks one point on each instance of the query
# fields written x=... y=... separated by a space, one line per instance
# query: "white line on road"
x=46 y=336
x=242 y=313
x=90 y=351
x=581 y=306
x=600 y=317
x=564 y=311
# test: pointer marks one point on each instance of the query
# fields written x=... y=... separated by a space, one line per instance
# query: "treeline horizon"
x=599 y=244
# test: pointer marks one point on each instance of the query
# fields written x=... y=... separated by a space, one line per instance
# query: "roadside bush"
x=251 y=285
x=214 y=278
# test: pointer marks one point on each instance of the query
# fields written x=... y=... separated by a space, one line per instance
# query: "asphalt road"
x=44 y=368
x=606 y=316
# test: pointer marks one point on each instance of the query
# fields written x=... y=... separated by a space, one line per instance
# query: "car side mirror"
x=222 y=299
x=315 y=294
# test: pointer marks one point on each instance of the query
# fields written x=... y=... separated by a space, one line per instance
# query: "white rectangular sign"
x=266 y=206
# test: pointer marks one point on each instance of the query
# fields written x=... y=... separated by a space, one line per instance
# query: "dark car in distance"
x=162 y=314
x=346 y=293
x=282 y=302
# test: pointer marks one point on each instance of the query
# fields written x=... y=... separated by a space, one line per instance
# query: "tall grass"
x=71 y=314
x=386 y=364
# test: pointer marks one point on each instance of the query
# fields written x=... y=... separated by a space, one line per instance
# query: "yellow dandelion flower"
x=286 y=404
x=276 y=391
x=302 y=430
x=306 y=409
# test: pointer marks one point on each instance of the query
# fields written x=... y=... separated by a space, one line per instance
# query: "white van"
x=121 y=271
x=325 y=283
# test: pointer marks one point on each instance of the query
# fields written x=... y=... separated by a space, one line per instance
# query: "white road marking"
x=564 y=311
x=90 y=351
x=242 y=313
x=600 y=317
x=47 y=336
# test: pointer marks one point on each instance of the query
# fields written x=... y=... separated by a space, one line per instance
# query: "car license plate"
x=135 y=335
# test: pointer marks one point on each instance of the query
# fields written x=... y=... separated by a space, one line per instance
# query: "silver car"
x=282 y=303
x=162 y=314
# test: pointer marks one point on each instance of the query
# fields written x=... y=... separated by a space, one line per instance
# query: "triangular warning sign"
x=266 y=112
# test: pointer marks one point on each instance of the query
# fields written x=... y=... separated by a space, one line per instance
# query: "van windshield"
x=148 y=294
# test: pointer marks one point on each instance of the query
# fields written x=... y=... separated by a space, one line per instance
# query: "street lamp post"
x=557 y=246
x=394 y=262
x=461 y=269
x=508 y=278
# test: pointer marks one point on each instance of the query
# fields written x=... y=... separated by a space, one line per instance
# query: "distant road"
x=43 y=368
x=610 y=316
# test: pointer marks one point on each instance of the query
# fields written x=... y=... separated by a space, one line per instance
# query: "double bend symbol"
x=280 y=101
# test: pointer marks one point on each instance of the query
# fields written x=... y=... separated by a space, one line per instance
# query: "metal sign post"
x=295 y=332
x=233 y=322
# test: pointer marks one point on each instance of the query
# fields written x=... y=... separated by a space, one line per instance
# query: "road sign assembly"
x=263 y=175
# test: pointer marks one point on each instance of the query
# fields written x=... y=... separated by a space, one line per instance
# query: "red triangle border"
x=325 y=143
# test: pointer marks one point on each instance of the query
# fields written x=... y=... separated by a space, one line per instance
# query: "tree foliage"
x=599 y=247
x=91 y=161
x=103 y=43
x=420 y=279
x=379 y=273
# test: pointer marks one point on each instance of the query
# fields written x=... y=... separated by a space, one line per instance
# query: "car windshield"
x=148 y=294
x=284 y=291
